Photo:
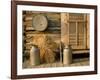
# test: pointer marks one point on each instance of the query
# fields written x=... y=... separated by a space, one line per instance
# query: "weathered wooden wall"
x=53 y=30
x=58 y=28
x=75 y=30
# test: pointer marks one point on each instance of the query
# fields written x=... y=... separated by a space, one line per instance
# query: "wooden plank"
x=30 y=28
x=77 y=21
x=88 y=30
x=54 y=28
x=81 y=51
x=28 y=23
x=53 y=16
x=28 y=18
x=54 y=23
x=64 y=28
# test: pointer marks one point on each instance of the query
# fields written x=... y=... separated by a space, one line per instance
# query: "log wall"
x=58 y=28
x=53 y=30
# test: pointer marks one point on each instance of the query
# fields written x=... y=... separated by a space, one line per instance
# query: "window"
x=77 y=30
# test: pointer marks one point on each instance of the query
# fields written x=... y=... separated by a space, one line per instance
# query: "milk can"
x=67 y=55
x=34 y=55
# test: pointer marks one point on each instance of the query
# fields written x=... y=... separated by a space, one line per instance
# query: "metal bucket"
x=34 y=55
x=67 y=55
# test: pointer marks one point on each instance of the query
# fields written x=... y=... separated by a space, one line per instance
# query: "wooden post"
x=64 y=30
x=88 y=31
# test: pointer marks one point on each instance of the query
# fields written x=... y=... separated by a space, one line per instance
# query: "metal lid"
x=40 y=22
x=67 y=46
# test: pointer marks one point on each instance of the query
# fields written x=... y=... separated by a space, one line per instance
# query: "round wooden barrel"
x=40 y=22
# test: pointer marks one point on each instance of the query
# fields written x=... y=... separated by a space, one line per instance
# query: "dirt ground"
x=76 y=62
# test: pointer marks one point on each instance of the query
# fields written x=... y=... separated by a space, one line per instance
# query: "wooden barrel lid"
x=40 y=22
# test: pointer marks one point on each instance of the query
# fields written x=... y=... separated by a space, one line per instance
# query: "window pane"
x=72 y=28
x=81 y=26
x=72 y=33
